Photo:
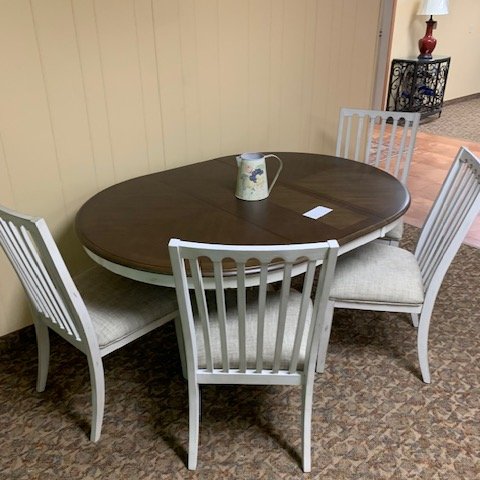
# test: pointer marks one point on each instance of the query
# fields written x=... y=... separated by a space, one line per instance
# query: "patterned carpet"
x=373 y=416
x=460 y=120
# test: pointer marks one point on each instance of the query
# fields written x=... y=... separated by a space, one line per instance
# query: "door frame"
x=384 y=44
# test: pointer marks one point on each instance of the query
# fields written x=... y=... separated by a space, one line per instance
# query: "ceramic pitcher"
x=252 y=183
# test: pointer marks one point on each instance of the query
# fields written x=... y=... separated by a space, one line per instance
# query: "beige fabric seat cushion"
x=396 y=233
x=377 y=273
x=119 y=306
x=271 y=322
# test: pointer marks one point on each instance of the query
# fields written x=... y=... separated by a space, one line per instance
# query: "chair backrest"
x=249 y=347
x=449 y=219
x=383 y=139
x=54 y=298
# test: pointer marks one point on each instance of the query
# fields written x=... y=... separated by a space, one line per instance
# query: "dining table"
x=127 y=226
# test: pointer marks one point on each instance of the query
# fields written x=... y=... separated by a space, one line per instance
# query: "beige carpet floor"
x=373 y=417
x=460 y=120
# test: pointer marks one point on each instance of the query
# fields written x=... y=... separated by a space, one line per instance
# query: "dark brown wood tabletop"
x=132 y=222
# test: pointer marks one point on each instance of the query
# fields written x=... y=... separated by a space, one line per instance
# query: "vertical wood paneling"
x=339 y=70
x=259 y=77
x=190 y=80
x=98 y=91
x=29 y=169
x=7 y=196
x=346 y=45
x=13 y=302
x=62 y=75
x=293 y=63
x=233 y=62
x=121 y=70
x=13 y=306
x=318 y=135
x=86 y=36
x=363 y=60
x=309 y=83
x=170 y=77
x=28 y=142
x=63 y=86
x=208 y=79
x=149 y=84
x=277 y=25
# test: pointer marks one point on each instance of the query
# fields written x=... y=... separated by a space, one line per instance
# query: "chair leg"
x=43 y=346
x=181 y=345
x=387 y=241
x=422 y=341
x=325 y=337
x=415 y=319
x=193 y=423
x=307 y=401
x=97 y=382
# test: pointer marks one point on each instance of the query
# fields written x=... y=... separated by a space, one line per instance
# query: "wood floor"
x=432 y=158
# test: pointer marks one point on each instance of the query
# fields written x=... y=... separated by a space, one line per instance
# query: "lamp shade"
x=433 y=7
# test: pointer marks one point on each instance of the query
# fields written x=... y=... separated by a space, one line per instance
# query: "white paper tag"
x=317 y=212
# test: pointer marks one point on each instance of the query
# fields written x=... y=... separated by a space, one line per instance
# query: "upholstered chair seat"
x=378 y=273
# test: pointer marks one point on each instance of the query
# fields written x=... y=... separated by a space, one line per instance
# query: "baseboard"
x=473 y=96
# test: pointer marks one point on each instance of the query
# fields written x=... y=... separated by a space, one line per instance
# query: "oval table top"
x=127 y=226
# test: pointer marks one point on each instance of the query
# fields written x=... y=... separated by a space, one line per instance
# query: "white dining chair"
x=383 y=139
x=384 y=278
x=96 y=312
x=251 y=335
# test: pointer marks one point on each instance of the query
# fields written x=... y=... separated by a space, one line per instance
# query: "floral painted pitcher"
x=252 y=183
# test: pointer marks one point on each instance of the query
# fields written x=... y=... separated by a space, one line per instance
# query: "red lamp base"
x=427 y=43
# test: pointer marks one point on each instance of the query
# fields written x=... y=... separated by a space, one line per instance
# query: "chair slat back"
x=245 y=344
x=28 y=244
x=450 y=217
x=383 y=139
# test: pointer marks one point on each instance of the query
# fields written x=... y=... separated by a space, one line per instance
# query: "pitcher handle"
x=278 y=171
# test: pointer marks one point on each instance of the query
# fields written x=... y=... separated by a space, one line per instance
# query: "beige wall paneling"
x=346 y=38
x=14 y=312
x=259 y=75
x=364 y=61
x=234 y=75
x=152 y=113
x=13 y=306
x=188 y=45
x=65 y=94
x=309 y=67
x=119 y=53
x=30 y=178
x=277 y=25
x=6 y=189
x=318 y=134
x=170 y=77
x=98 y=91
x=86 y=34
x=298 y=42
x=208 y=76
x=334 y=61
x=352 y=65
x=25 y=123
